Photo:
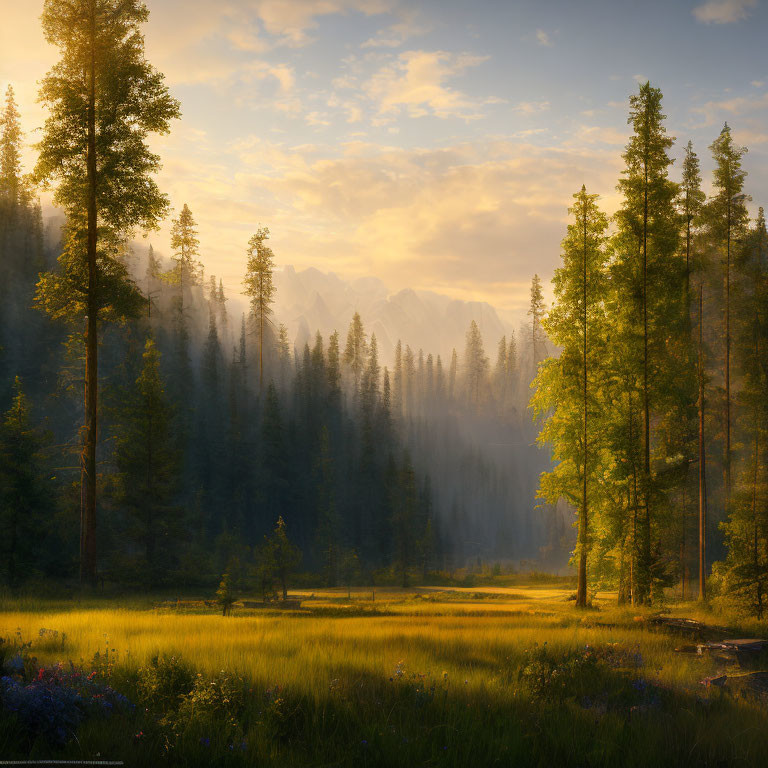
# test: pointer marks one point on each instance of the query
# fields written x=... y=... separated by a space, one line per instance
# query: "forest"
x=153 y=438
x=230 y=538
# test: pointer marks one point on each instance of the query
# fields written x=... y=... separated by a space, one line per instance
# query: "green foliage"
x=163 y=683
x=148 y=469
x=569 y=389
x=212 y=708
x=26 y=494
x=127 y=197
x=225 y=594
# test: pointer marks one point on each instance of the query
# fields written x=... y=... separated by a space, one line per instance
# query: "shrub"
x=163 y=683
x=212 y=706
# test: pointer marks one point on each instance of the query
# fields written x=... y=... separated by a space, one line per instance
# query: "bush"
x=163 y=683
x=213 y=706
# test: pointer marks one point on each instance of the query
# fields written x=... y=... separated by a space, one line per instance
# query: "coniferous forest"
x=239 y=540
x=152 y=436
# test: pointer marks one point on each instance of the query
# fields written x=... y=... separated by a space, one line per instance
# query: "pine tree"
x=475 y=366
x=452 y=371
x=409 y=382
x=439 y=381
x=104 y=99
x=153 y=277
x=260 y=286
x=567 y=387
x=404 y=504
x=536 y=312
x=286 y=556
x=328 y=525
x=26 y=495
x=726 y=217
x=744 y=574
x=148 y=469
x=645 y=268
x=397 y=388
x=334 y=371
x=185 y=245
x=13 y=187
x=691 y=200
x=500 y=377
x=356 y=351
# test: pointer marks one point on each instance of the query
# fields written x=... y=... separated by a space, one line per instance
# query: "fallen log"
x=689 y=627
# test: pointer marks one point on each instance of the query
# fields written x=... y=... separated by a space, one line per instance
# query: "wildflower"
x=205 y=741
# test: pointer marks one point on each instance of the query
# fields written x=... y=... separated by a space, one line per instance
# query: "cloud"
x=416 y=83
x=395 y=35
x=714 y=111
x=532 y=107
x=318 y=119
x=282 y=73
x=597 y=134
x=542 y=38
x=723 y=11
x=468 y=219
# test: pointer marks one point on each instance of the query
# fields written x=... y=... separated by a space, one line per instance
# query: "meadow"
x=433 y=677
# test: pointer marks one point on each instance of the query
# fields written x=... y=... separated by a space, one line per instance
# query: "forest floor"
x=430 y=676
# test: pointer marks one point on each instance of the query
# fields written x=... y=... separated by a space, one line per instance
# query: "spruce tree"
x=185 y=245
x=356 y=351
x=285 y=555
x=690 y=203
x=260 y=286
x=13 y=187
x=745 y=572
x=645 y=271
x=476 y=366
x=26 y=493
x=567 y=389
x=536 y=312
x=148 y=469
x=726 y=218
x=104 y=100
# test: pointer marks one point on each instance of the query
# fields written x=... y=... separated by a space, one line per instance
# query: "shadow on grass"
x=541 y=708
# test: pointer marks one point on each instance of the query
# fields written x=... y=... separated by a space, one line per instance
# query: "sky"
x=434 y=145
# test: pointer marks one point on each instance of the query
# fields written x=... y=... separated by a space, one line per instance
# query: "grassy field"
x=443 y=677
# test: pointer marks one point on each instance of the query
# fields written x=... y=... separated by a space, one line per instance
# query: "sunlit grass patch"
x=410 y=678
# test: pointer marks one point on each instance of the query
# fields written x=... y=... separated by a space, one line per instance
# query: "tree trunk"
x=728 y=361
x=581 y=591
x=702 y=463
x=88 y=462
x=645 y=574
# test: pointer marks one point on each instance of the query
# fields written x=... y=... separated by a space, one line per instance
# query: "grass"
x=477 y=676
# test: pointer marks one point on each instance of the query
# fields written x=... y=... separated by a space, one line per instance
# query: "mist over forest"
x=399 y=437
